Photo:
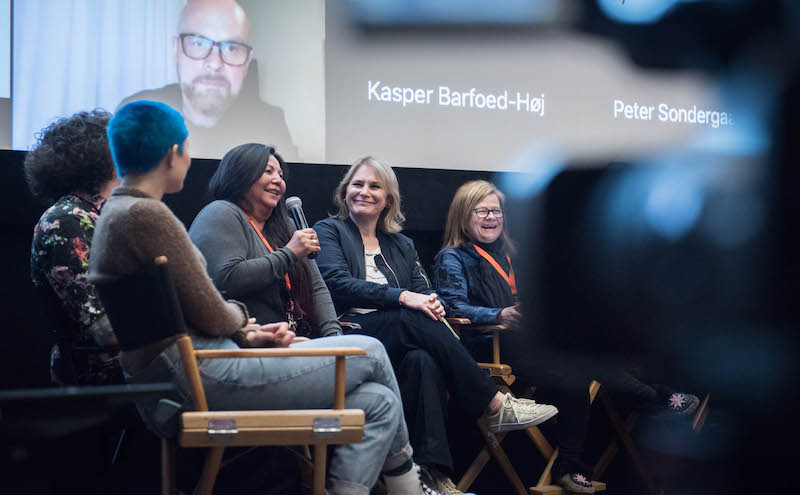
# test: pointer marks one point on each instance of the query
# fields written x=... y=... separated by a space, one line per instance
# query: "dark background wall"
x=426 y=195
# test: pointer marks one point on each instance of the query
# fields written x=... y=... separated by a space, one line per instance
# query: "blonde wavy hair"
x=391 y=219
x=456 y=232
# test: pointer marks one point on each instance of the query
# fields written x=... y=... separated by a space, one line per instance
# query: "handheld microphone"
x=295 y=207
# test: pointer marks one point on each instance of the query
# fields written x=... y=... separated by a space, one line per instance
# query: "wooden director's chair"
x=504 y=377
x=623 y=428
x=144 y=309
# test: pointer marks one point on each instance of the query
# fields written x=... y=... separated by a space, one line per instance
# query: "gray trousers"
x=307 y=383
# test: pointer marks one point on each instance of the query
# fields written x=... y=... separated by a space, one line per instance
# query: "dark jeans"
x=424 y=393
x=563 y=380
x=428 y=361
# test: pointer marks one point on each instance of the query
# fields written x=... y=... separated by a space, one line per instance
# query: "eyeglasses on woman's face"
x=484 y=212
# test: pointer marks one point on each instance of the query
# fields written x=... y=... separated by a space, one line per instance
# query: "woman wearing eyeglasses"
x=375 y=279
x=475 y=277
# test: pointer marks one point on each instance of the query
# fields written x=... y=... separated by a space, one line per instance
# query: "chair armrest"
x=488 y=328
x=496 y=369
x=282 y=352
x=479 y=328
x=466 y=324
x=459 y=321
x=349 y=327
x=338 y=352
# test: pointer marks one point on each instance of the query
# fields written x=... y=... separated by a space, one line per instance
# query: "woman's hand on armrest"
x=510 y=316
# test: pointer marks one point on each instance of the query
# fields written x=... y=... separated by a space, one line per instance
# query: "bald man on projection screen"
x=217 y=88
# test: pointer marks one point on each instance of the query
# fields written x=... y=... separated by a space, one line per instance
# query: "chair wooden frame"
x=623 y=428
x=219 y=429
x=502 y=374
x=216 y=430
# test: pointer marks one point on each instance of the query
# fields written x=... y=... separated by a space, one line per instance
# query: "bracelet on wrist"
x=240 y=337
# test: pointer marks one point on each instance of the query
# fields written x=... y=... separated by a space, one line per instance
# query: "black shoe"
x=673 y=405
x=573 y=475
x=576 y=483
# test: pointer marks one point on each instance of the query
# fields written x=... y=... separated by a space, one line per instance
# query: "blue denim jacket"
x=456 y=277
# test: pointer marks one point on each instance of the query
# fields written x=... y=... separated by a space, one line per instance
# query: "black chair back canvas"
x=73 y=367
x=65 y=330
x=143 y=307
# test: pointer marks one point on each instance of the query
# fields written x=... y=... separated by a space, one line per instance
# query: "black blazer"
x=341 y=262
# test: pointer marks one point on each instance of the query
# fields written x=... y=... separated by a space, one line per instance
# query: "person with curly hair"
x=70 y=168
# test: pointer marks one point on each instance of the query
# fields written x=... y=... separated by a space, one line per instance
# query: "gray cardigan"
x=242 y=268
x=132 y=230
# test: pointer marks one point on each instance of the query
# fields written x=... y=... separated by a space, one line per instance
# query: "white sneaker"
x=518 y=414
x=413 y=482
x=442 y=482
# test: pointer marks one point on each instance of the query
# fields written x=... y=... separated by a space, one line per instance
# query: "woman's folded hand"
x=427 y=303
x=271 y=334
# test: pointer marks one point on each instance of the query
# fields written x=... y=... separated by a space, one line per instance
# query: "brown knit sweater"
x=132 y=231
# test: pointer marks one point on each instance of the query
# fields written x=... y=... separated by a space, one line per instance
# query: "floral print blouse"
x=60 y=260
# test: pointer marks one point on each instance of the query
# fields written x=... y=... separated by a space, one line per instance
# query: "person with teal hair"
x=150 y=148
x=141 y=133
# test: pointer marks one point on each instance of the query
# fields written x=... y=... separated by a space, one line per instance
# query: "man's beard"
x=211 y=101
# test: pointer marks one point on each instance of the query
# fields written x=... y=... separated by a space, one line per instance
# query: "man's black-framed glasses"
x=484 y=212
x=199 y=47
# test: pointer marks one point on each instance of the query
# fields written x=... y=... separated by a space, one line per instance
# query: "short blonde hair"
x=391 y=219
x=456 y=232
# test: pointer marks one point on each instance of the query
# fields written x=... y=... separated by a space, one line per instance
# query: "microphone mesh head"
x=293 y=202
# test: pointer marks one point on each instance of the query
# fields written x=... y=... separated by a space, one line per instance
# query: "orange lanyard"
x=509 y=278
x=286 y=277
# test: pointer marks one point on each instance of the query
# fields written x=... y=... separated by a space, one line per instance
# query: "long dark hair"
x=239 y=169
